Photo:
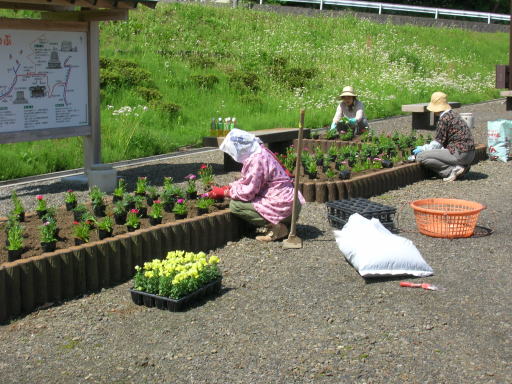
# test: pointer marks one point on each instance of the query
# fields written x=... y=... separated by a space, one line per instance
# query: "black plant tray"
x=150 y=300
x=339 y=211
x=338 y=223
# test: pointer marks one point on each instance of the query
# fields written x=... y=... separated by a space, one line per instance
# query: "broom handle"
x=297 y=173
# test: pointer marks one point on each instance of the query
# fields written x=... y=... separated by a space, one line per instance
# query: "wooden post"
x=92 y=143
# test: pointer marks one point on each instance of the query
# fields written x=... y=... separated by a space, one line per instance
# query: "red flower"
x=39 y=197
x=134 y=210
x=156 y=201
x=70 y=190
x=204 y=166
x=76 y=222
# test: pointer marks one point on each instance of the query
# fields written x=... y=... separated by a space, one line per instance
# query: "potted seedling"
x=18 y=210
x=203 y=204
x=81 y=232
x=141 y=185
x=180 y=209
x=206 y=176
x=151 y=194
x=311 y=169
x=344 y=172
x=140 y=206
x=41 y=206
x=79 y=211
x=129 y=201
x=70 y=200
x=15 y=239
x=191 y=189
x=155 y=214
x=133 y=220
x=119 y=191
x=48 y=236
x=105 y=227
x=97 y=201
x=330 y=174
x=119 y=210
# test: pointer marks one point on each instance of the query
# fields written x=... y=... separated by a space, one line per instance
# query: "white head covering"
x=240 y=145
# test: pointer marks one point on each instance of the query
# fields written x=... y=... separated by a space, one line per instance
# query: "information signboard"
x=43 y=80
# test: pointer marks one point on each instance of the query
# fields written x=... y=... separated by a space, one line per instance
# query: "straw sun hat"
x=438 y=103
x=348 y=91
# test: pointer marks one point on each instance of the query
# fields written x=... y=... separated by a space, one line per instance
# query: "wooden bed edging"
x=371 y=184
x=27 y=284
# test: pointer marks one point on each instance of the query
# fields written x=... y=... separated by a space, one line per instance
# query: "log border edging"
x=27 y=284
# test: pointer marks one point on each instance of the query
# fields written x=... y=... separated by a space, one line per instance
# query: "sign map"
x=43 y=80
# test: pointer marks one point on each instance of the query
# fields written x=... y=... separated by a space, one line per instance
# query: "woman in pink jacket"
x=263 y=196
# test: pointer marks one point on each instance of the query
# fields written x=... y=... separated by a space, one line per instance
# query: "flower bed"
x=29 y=283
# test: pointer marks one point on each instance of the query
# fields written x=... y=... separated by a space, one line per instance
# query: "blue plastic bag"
x=499 y=134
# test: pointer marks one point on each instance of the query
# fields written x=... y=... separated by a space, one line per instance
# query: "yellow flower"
x=214 y=260
x=149 y=274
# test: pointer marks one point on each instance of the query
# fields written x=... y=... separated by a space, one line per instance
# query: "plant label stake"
x=293 y=241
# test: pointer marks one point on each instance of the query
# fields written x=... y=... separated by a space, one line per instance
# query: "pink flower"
x=157 y=202
x=204 y=195
x=46 y=223
x=134 y=210
x=180 y=201
x=76 y=222
x=70 y=190
x=204 y=166
x=377 y=159
x=190 y=177
x=142 y=177
x=39 y=197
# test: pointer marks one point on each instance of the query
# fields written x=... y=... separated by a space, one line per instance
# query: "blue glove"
x=417 y=150
x=352 y=121
x=333 y=126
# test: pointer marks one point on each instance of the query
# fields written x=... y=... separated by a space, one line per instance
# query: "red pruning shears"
x=426 y=286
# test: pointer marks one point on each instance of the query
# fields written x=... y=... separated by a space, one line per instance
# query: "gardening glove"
x=352 y=121
x=333 y=126
x=219 y=193
x=417 y=150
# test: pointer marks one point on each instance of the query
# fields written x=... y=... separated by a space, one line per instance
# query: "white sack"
x=374 y=251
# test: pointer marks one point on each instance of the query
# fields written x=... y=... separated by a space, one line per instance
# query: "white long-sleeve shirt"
x=357 y=111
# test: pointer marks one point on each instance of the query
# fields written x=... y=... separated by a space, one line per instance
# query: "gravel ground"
x=296 y=316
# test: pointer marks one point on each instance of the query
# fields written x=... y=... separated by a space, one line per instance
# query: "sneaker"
x=456 y=172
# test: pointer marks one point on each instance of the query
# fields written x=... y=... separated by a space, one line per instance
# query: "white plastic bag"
x=374 y=251
x=499 y=134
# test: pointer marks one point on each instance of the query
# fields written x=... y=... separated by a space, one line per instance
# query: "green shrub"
x=149 y=94
x=170 y=109
x=205 y=81
x=244 y=81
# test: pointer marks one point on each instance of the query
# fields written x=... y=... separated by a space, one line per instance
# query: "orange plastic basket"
x=448 y=218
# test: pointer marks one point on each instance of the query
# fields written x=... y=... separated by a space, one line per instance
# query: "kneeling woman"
x=452 y=151
x=263 y=196
x=353 y=110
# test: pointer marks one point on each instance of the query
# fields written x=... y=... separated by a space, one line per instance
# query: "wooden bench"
x=276 y=139
x=422 y=117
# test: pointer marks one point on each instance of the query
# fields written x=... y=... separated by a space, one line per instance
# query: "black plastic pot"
x=40 y=214
x=77 y=215
x=102 y=234
x=79 y=241
x=202 y=211
x=21 y=217
x=120 y=218
x=131 y=229
x=49 y=246
x=99 y=210
x=150 y=200
x=70 y=206
x=312 y=175
x=320 y=162
x=386 y=164
x=178 y=216
x=345 y=175
x=14 y=254
x=116 y=198
x=191 y=195
x=155 y=220
x=143 y=212
x=168 y=207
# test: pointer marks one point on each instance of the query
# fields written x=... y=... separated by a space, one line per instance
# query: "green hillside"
x=167 y=72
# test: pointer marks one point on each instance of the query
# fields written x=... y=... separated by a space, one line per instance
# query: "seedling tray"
x=339 y=211
x=173 y=305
